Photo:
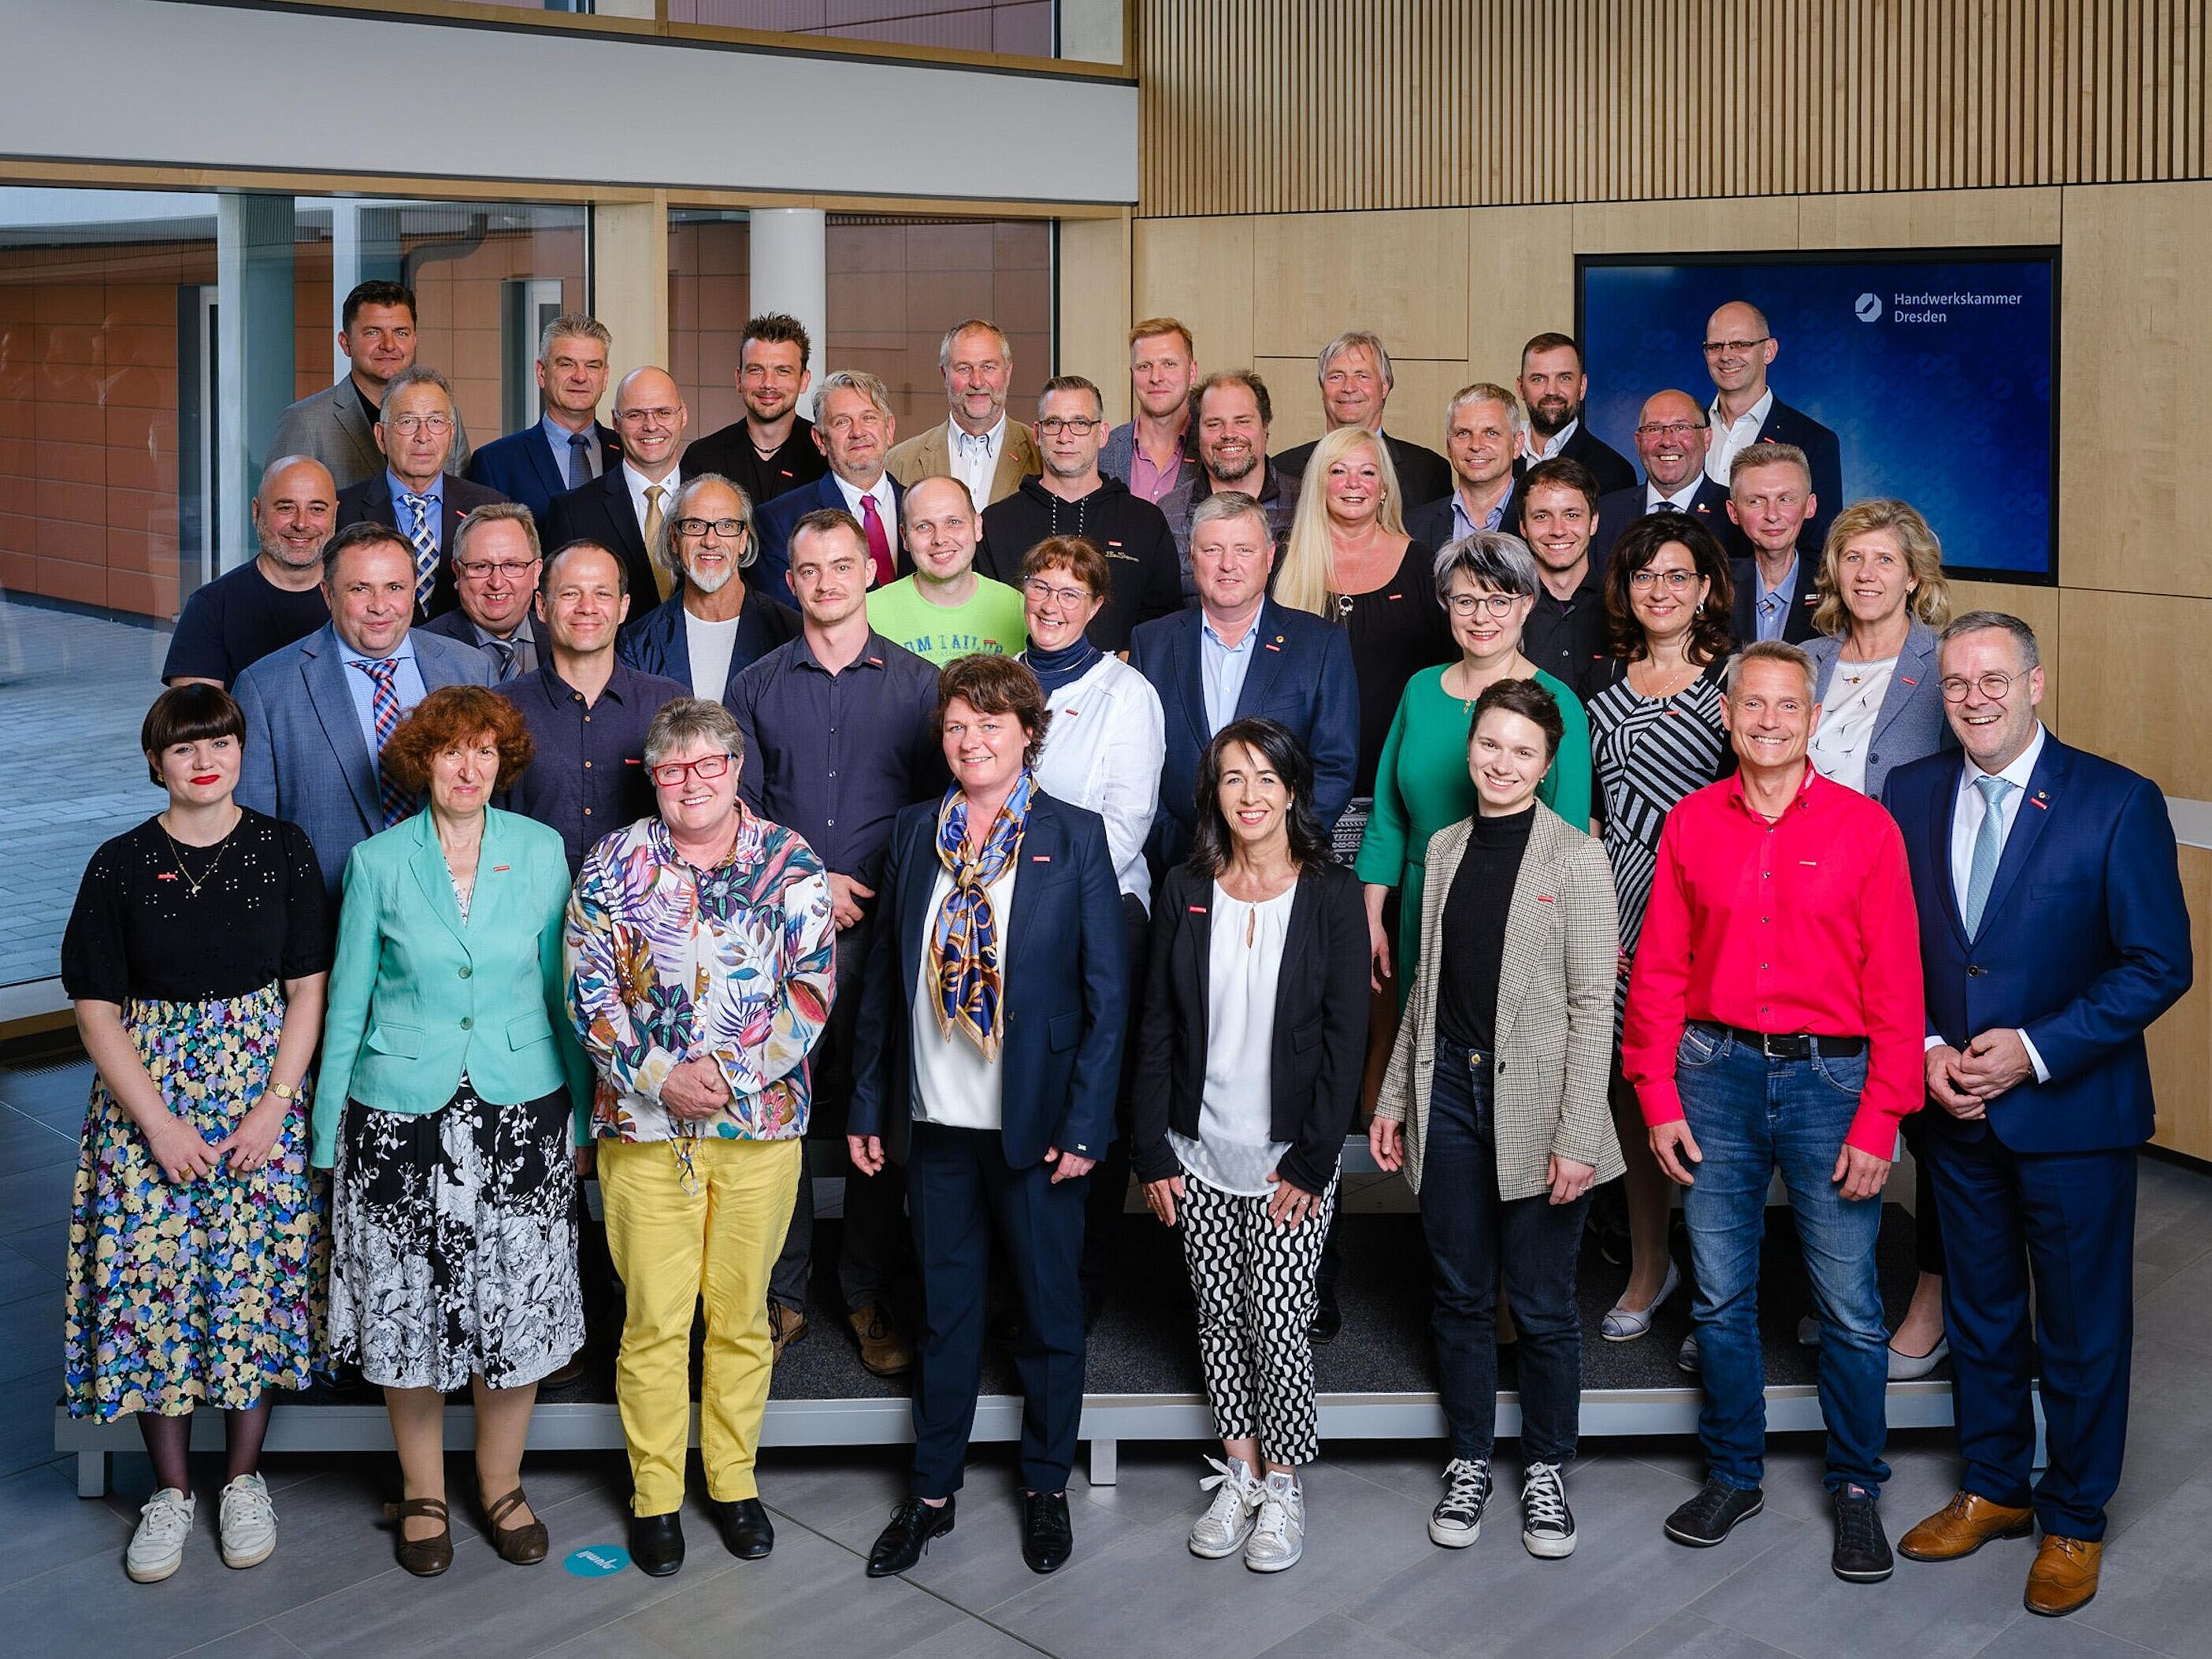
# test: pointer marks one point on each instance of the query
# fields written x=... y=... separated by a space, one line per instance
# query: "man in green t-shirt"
x=945 y=609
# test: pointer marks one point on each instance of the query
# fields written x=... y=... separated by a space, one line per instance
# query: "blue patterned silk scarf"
x=963 y=938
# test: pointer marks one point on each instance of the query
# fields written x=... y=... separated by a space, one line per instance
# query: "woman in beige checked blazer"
x=1495 y=1105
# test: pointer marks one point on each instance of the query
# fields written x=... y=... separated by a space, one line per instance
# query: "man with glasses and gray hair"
x=496 y=563
x=715 y=626
x=1355 y=376
x=414 y=494
x=626 y=507
x=2041 y=1090
x=1739 y=345
x=979 y=444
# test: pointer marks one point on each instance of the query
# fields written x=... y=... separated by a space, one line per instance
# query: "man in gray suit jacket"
x=336 y=427
x=316 y=711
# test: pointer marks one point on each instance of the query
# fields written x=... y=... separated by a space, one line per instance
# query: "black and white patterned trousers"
x=1253 y=1282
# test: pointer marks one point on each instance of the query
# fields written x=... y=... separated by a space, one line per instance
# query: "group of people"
x=1020 y=811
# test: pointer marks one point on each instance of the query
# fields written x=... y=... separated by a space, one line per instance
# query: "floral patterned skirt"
x=454 y=1244
x=201 y=1294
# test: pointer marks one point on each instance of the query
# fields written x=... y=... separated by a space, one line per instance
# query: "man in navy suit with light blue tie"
x=317 y=712
x=2053 y=931
x=1241 y=653
x=568 y=448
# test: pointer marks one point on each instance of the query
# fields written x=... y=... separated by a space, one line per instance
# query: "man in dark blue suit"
x=1482 y=430
x=998 y=1119
x=2053 y=931
x=1739 y=345
x=853 y=428
x=1241 y=653
x=1671 y=436
x=568 y=448
x=1771 y=508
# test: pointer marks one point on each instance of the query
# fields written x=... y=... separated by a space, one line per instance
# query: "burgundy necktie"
x=879 y=545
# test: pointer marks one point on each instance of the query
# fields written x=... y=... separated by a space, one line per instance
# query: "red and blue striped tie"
x=384 y=707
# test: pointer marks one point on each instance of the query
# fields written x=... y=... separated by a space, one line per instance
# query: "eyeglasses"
x=1992 y=686
x=671 y=775
x=408 y=425
x=1497 y=604
x=513 y=570
x=1068 y=599
x=1680 y=580
x=1670 y=428
x=727 y=529
x=1080 y=425
x=1715 y=348
x=643 y=416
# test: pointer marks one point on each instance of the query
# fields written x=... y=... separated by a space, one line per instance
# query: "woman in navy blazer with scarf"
x=990 y=1037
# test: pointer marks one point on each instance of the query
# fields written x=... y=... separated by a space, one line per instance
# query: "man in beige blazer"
x=979 y=446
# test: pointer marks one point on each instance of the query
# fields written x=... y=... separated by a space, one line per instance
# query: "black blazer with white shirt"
x=1320 y=1045
x=602 y=511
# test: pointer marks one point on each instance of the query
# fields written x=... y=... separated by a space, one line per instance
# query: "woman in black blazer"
x=1254 y=1034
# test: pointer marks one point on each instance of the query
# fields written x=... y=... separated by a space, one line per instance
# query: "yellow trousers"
x=672 y=1249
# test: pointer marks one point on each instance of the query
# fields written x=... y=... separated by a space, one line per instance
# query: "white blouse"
x=1848 y=714
x=1103 y=749
x=953 y=1085
x=1234 y=1151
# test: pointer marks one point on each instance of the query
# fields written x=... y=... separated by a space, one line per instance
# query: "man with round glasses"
x=1072 y=497
x=414 y=493
x=495 y=566
x=715 y=626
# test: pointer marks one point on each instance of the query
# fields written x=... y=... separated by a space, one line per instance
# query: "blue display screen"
x=1935 y=370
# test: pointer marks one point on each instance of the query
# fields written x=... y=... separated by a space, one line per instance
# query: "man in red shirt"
x=1775 y=1023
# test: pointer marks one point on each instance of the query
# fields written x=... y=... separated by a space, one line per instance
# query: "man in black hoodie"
x=1071 y=498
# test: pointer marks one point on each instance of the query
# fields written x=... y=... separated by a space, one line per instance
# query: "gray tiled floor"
x=1370 y=1584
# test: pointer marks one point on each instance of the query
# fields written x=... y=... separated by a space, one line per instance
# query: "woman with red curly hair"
x=452 y=1096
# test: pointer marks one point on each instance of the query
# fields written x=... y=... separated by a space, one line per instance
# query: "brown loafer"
x=784 y=1326
x=1963 y=1526
x=2064 y=1576
x=884 y=1349
x=426 y=1558
x=523 y=1545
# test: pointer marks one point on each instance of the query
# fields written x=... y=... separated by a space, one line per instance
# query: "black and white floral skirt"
x=453 y=1244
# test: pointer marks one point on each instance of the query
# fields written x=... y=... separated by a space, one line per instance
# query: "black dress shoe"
x=1327 y=1320
x=1048 y=1540
x=901 y=1544
x=1713 y=1513
x=656 y=1543
x=745 y=1527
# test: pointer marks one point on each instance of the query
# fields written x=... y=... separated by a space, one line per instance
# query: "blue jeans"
x=1751 y=1116
x=1472 y=1233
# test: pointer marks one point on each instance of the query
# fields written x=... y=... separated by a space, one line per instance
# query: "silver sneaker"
x=1279 y=1535
x=1222 y=1530
x=1456 y=1521
x=158 y=1546
x=248 y=1522
x=1547 y=1525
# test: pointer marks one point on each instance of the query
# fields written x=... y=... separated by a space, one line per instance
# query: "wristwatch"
x=283 y=1091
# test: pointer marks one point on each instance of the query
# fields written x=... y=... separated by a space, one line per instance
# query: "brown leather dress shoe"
x=426 y=1558
x=2064 y=1576
x=1963 y=1526
x=522 y=1545
x=884 y=1349
x=784 y=1326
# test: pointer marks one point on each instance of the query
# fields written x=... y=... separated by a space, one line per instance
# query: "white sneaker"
x=1547 y=1525
x=1222 y=1530
x=1278 y=1536
x=248 y=1522
x=158 y=1546
x=1456 y=1521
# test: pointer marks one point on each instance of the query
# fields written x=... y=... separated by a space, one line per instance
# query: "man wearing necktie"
x=627 y=507
x=566 y=446
x=2053 y=931
x=414 y=495
x=495 y=565
x=1769 y=503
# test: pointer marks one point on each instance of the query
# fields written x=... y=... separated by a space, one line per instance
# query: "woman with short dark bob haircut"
x=1253 y=1038
x=452 y=1096
x=196 y=955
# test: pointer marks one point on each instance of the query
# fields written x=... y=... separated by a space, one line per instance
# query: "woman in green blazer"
x=451 y=1099
x=1488 y=583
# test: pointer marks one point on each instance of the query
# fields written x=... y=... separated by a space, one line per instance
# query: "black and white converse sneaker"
x=1547 y=1525
x=1456 y=1522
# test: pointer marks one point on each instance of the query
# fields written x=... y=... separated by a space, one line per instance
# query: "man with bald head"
x=273 y=599
x=945 y=610
x=625 y=509
x=1670 y=440
x=1739 y=346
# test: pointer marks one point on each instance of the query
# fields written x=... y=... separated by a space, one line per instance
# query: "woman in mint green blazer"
x=451 y=1099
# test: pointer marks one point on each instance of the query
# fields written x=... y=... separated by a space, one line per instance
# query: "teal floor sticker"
x=598 y=1561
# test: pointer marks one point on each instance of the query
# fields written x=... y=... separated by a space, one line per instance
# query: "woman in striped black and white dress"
x=1655 y=735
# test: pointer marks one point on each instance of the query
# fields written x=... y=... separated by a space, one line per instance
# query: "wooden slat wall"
x=1320 y=106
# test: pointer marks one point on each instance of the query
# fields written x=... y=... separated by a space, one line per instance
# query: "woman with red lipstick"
x=452 y=1096
x=196 y=955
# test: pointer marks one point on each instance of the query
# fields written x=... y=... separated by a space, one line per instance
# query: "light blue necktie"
x=1989 y=847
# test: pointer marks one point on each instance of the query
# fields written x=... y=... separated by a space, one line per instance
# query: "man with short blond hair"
x=1356 y=378
x=567 y=447
x=978 y=444
x=1156 y=448
x=1482 y=437
x=415 y=494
